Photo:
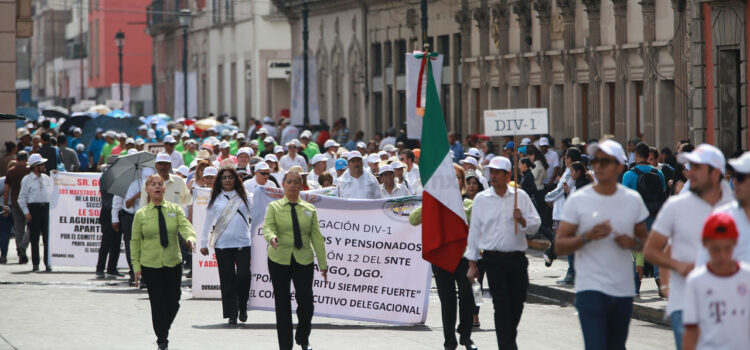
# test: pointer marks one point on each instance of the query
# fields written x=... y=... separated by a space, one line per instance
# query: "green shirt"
x=145 y=242
x=311 y=150
x=188 y=157
x=233 y=147
x=180 y=148
x=279 y=224
x=107 y=150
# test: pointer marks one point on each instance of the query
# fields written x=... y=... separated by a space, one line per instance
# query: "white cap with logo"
x=163 y=157
x=210 y=171
x=610 y=147
x=500 y=163
x=384 y=168
x=319 y=158
x=705 y=154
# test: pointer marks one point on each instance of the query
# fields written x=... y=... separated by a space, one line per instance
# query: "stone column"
x=463 y=18
x=482 y=17
x=649 y=73
x=679 y=44
x=568 y=11
x=500 y=23
x=544 y=12
x=593 y=8
x=621 y=79
x=522 y=9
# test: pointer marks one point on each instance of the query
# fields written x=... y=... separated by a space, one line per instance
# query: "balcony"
x=161 y=16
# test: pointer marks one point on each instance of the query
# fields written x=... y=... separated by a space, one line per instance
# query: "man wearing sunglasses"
x=603 y=224
x=680 y=221
x=261 y=178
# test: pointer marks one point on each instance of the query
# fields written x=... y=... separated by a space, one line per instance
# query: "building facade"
x=239 y=53
x=630 y=68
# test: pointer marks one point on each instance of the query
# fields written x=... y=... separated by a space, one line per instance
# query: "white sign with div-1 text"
x=511 y=122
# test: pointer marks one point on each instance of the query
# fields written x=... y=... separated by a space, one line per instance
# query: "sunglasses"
x=264 y=173
x=603 y=161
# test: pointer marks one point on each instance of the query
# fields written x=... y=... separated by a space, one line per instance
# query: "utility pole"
x=424 y=22
x=81 y=47
x=305 y=37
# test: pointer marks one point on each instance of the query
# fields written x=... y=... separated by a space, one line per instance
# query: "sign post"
x=514 y=122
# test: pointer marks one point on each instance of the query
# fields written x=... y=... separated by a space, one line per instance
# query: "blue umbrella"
x=118 y=113
x=161 y=119
x=127 y=125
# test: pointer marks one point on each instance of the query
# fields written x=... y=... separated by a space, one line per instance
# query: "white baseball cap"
x=163 y=157
x=262 y=131
x=741 y=164
x=382 y=153
x=80 y=147
x=98 y=130
x=239 y=136
x=525 y=141
x=319 y=158
x=139 y=142
x=267 y=119
x=143 y=127
x=330 y=143
x=246 y=150
x=268 y=139
x=175 y=132
x=132 y=151
x=35 y=159
x=543 y=142
x=262 y=166
x=500 y=163
x=704 y=154
x=294 y=143
x=384 y=168
x=354 y=154
x=373 y=158
x=278 y=149
x=210 y=171
x=223 y=145
x=470 y=160
x=129 y=140
x=473 y=152
x=169 y=139
x=361 y=144
x=184 y=134
x=77 y=130
x=397 y=165
x=254 y=143
x=610 y=147
x=271 y=158
x=183 y=170
x=305 y=134
x=151 y=133
x=389 y=148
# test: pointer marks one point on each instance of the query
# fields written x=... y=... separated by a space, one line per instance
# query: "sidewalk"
x=543 y=284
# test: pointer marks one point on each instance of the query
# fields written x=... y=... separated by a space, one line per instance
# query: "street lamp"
x=305 y=38
x=184 y=18
x=120 y=42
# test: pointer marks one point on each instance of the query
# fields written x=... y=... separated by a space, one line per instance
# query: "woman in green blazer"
x=155 y=253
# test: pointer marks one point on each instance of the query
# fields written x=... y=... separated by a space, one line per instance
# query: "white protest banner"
x=298 y=91
x=512 y=122
x=205 y=274
x=375 y=267
x=74 y=229
x=413 y=65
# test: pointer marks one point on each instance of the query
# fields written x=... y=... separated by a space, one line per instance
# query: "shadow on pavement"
x=415 y=328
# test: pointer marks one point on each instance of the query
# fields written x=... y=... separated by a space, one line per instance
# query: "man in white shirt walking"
x=494 y=220
x=292 y=158
x=174 y=156
x=33 y=198
x=680 y=222
x=355 y=183
x=603 y=224
x=412 y=169
x=390 y=188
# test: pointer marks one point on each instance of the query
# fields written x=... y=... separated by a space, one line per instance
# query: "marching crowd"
x=619 y=214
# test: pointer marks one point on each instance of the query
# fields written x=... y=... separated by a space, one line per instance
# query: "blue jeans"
x=604 y=319
x=571 y=266
x=677 y=328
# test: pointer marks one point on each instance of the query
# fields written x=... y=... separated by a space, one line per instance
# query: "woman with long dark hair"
x=227 y=230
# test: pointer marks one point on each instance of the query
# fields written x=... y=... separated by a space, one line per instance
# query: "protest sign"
x=375 y=267
x=513 y=122
x=74 y=229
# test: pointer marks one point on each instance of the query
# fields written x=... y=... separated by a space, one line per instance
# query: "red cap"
x=718 y=226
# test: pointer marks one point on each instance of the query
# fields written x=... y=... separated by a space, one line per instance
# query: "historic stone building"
x=631 y=68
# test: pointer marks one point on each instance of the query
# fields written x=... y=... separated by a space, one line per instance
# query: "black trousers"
x=508 y=278
x=234 y=275
x=302 y=277
x=126 y=228
x=110 y=245
x=164 y=295
x=39 y=226
x=446 y=287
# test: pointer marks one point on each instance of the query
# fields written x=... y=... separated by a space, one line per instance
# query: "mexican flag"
x=444 y=228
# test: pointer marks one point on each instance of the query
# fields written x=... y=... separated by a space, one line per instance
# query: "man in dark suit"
x=49 y=152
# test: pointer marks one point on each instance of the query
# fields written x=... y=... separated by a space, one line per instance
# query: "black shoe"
x=162 y=346
x=48 y=269
x=469 y=344
x=142 y=284
x=477 y=325
x=189 y=274
x=131 y=282
x=100 y=275
x=23 y=260
x=306 y=347
x=3 y=260
x=35 y=268
x=115 y=274
x=570 y=280
x=548 y=261
x=243 y=315
x=232 y=320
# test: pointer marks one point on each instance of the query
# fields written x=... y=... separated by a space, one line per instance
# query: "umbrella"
x=56 y=113
x=99 y=110
x=206 y=123
x=118 y=113
x=161 y=119
x=126 y=169
x=73 y=122
x=222 y=127
x=126 y=125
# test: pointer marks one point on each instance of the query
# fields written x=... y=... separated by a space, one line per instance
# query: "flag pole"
x=515 y=180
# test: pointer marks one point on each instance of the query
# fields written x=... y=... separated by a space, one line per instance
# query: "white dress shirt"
x=237 y=233
x=286 y=162
x=364 y=187
x=177 y=160
x=251 y=184
x=288 y=134
x=34 y=189
x=118 y=203
x=492 y=224
x=398 y=191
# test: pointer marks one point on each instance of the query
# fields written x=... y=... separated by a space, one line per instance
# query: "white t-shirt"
x=720 y=307
x=602 y=265
x=681 y=219
x=250 y=185
x=364 y=187
x=553 y=160
x=741 y=251
x=286 y=162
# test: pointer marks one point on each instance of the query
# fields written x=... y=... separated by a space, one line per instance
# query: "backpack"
x=649 y=187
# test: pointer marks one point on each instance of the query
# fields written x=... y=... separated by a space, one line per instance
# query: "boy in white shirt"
x=716 y=311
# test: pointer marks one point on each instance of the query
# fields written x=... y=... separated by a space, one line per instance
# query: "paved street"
x=69 y=309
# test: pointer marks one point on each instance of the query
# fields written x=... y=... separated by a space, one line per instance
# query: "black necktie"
x=162 y=228
x=295 y=226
